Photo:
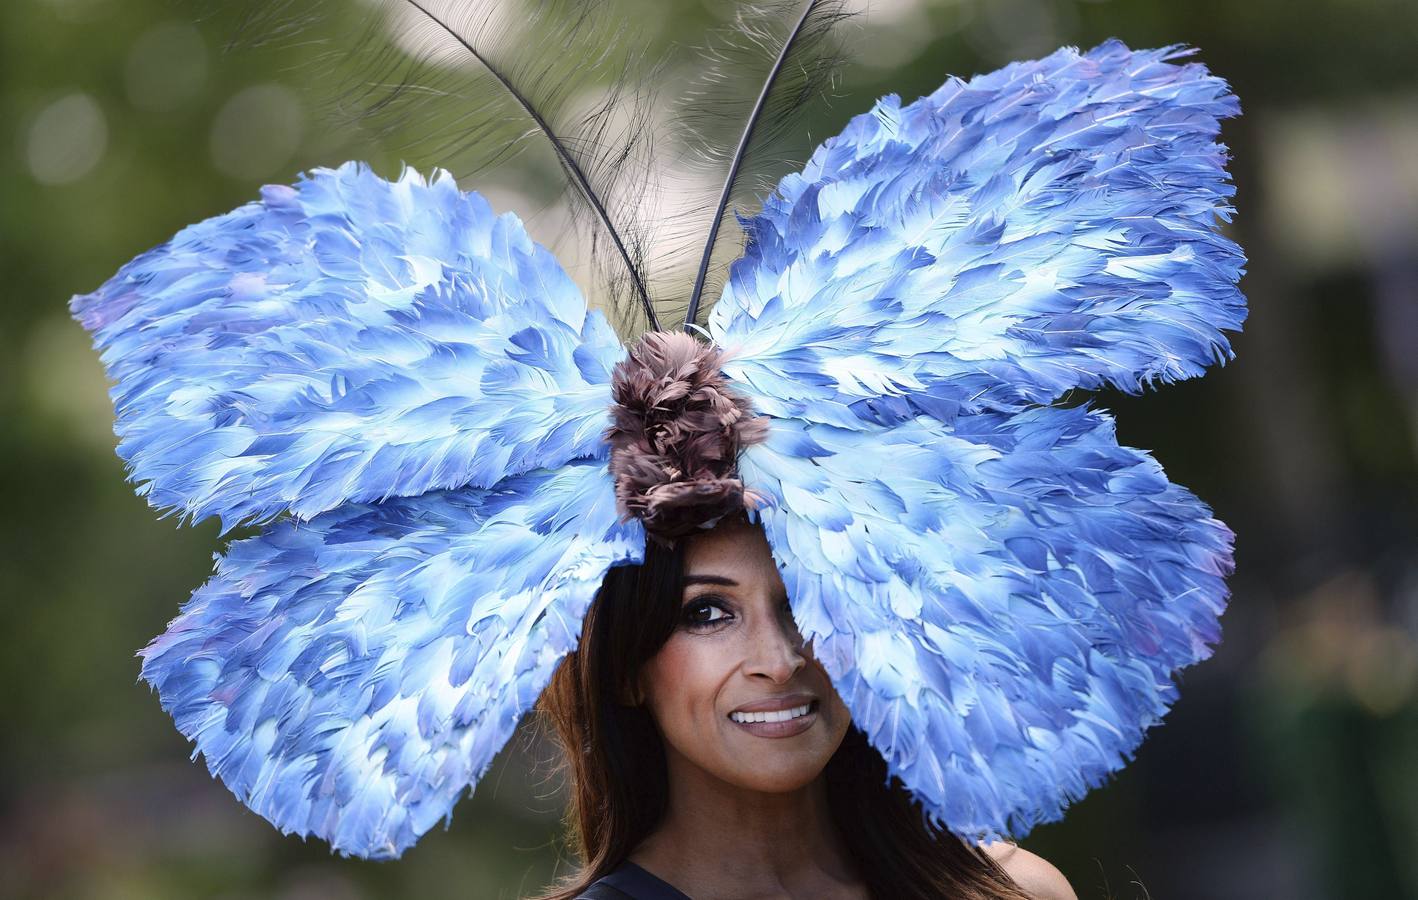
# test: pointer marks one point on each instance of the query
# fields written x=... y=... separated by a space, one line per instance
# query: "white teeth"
x=781 y=715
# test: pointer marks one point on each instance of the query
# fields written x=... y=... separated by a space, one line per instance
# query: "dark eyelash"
x=711 y=600
x=701 y=601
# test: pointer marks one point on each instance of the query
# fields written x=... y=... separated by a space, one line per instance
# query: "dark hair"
x=614 y=759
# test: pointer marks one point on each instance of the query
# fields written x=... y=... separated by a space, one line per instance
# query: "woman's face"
x=736 y=649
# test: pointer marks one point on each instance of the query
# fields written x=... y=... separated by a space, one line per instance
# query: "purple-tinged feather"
x=347 y=339
x=1047 y=227
x=1002 y=602
x=350 y=677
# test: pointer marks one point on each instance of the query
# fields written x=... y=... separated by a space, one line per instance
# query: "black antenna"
x=567 y=162
x=738 y=158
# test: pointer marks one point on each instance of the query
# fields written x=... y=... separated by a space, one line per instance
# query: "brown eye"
x=700 y=612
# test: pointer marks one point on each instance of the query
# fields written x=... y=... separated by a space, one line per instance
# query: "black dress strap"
x=602 y=891
x=630 y=882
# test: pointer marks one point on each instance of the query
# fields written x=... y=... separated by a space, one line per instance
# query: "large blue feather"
x=349 y=677
x=347 y=339
x=1045 y=227
x=1002 y=602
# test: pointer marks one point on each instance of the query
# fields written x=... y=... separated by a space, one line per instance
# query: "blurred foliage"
x=1285 y=771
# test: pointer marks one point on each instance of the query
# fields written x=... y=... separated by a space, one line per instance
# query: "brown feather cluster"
x=677 y=428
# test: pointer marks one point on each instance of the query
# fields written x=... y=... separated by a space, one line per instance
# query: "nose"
x=776 y=649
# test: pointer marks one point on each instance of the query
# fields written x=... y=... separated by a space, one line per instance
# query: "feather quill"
x=786 y=69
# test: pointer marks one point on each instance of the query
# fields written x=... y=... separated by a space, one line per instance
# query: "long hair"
x=615 y=772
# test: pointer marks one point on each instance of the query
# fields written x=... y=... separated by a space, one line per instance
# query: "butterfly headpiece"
x=448 y=450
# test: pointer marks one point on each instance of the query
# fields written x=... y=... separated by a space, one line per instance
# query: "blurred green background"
x=1290 y=766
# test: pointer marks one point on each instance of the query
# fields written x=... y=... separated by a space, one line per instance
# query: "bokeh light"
x=67 y=139
x=256 y=132
x=167 y=66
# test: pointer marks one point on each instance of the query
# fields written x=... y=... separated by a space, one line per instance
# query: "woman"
x=410 y=396
x=676 y=796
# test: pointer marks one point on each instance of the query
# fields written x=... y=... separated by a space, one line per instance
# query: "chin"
x=764 y=773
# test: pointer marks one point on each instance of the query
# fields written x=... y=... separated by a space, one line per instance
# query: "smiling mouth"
x=778 y=715
x=778 y=723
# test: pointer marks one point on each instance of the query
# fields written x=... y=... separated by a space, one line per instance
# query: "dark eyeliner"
x=695 y=603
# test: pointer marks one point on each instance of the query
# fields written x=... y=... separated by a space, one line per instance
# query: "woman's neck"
x=722 y=840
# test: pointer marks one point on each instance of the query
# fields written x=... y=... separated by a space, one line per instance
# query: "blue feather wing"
x=1002 y=602
x=1001 y=241
x=349 y=677
x=347 y=339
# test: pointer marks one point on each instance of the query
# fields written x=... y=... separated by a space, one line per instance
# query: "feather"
x=351 y=676
x=1002 y=602
x=1046 y=227
x=466 y=84
x=797 y=63
x=347 y=339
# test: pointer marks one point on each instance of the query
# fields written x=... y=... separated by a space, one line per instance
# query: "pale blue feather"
x=1049 y=226
x=1001 y=594
x=351 y=676
x=1002 y=602
x=347 y=339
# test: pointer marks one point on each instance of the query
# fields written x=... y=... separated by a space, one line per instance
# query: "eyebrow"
x=710 y=579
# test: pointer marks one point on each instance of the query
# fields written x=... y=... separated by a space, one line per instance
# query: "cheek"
x=684 y=690
x=683 y=682
x=841 y=717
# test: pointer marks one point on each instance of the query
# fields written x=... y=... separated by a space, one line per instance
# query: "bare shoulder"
x=1034 y=874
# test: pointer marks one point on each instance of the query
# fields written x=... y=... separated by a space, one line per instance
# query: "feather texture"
x=1002 y=602
x=347 y=339
x=1045 y=227
x=349 y=677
